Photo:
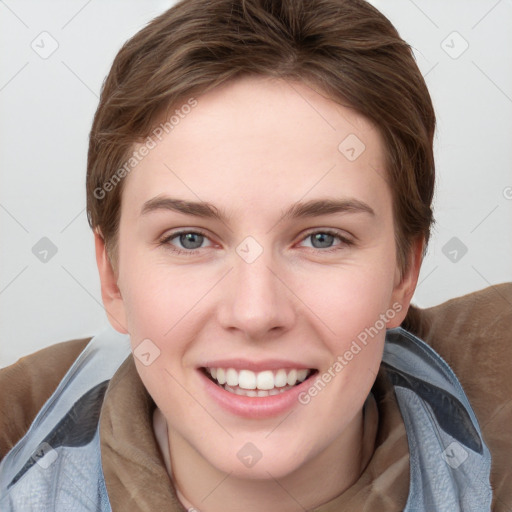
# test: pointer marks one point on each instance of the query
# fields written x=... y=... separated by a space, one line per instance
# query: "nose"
x=256 y=300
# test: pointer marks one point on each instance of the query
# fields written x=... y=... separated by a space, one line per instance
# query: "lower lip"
x=255 y=407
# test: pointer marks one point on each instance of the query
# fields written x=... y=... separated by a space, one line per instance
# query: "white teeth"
x=280 y=380
x=301 y=375
x=253 y=393
x=292 y=377
x=231 y=377
x=247 y=379
x=221 y=375
x=264 y=381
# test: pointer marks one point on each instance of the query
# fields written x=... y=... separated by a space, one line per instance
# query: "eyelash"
x=191 y=252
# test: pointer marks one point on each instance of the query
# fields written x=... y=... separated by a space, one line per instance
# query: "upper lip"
x=256 y=366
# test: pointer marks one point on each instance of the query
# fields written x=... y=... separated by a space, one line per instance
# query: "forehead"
x=260 y=141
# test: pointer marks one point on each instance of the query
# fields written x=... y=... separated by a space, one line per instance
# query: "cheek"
x=351 y=307
x=159 y=304
x=157 y=295
x=349 y=300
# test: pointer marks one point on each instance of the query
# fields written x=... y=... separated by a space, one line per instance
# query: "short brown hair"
x=346 y=48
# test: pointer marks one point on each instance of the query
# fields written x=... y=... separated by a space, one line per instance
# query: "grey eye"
x=191 y=240
x=321 y=240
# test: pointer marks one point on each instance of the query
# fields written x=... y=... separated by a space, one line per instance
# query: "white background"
x=47 y=106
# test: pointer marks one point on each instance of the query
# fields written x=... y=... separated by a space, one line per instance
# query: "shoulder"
x=28 y=383
x=473 y=333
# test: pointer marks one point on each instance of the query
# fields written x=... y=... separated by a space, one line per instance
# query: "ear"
x=405 y=285
x=110 y=293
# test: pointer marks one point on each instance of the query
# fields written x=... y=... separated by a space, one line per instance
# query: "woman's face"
x=257 y=236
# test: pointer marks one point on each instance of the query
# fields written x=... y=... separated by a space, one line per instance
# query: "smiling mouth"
x=257 y=384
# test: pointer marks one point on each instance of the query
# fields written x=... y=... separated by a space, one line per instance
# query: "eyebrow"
x=312 y=208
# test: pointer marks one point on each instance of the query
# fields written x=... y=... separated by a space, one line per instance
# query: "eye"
x=323 y=240
x=190 y=241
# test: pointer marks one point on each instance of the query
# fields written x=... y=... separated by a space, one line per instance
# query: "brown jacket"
x=472 y=333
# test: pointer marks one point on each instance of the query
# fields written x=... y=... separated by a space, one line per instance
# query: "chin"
x=257 y=460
